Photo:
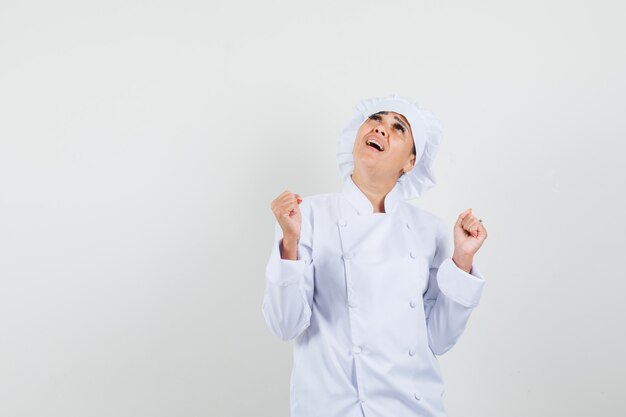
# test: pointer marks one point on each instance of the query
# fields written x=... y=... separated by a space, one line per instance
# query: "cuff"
x=458 y=285
x=284 y=271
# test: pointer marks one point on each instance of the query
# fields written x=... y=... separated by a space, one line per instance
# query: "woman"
x=366 y=284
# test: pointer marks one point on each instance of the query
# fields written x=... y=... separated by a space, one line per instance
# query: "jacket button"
x=348 y=255
x=413 y=303
x=352 y=304
x=408 y=226
x=412 y=351
x=417 y=397
x=342 y=223
x=413 y=254
x=356 y=350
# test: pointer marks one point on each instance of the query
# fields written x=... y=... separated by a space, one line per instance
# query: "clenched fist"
x=469 y=235
x=287 y=212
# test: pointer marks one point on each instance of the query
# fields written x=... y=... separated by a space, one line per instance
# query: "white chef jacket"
x=370 y=301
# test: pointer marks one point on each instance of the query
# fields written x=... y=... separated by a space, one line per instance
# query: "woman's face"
x=393 y=134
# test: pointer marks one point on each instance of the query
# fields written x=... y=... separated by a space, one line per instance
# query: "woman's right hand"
x=287 y=212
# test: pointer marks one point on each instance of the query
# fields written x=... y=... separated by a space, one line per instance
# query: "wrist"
x=289 y=248
x=291 y=239
x=463 y=261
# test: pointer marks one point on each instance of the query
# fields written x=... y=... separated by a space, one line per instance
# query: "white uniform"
x=372 y=298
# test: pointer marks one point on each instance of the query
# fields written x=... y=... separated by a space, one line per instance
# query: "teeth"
x=380 y=147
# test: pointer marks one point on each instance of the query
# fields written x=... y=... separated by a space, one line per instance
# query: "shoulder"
x=428 y=223
x=317 y=202
x=422 y=217
x=318 y=206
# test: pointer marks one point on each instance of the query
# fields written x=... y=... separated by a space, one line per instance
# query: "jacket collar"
x=361 y=203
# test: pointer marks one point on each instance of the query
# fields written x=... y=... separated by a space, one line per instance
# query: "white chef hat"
x=426 y=132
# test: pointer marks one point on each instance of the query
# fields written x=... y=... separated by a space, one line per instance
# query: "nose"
x=380 y=130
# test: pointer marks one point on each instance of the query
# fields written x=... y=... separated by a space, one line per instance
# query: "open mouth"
x=374 y=144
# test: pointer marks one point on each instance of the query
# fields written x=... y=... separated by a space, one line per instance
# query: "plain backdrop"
x=142 y=142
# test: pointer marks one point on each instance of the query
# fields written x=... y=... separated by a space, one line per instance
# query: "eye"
x=375 y=117
x=399 y=127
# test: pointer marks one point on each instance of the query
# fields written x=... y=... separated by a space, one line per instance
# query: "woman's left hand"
x=469 y=235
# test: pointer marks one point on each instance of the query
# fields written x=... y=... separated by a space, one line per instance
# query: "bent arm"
x=451 y=296
x=288 y=295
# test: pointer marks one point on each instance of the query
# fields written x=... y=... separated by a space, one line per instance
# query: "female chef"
x=369 y=287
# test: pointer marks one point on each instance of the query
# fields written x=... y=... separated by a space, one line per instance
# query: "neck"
x=374 y=188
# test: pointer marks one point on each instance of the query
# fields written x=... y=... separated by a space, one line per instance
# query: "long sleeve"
x=289 y=286
x=451 y=296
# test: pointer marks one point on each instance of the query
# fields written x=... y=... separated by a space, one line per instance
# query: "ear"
x=410 y=164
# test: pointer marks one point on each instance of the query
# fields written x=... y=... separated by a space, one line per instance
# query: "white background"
x=141 y=144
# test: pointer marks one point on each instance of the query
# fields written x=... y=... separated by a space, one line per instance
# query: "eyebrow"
x=396 y=117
